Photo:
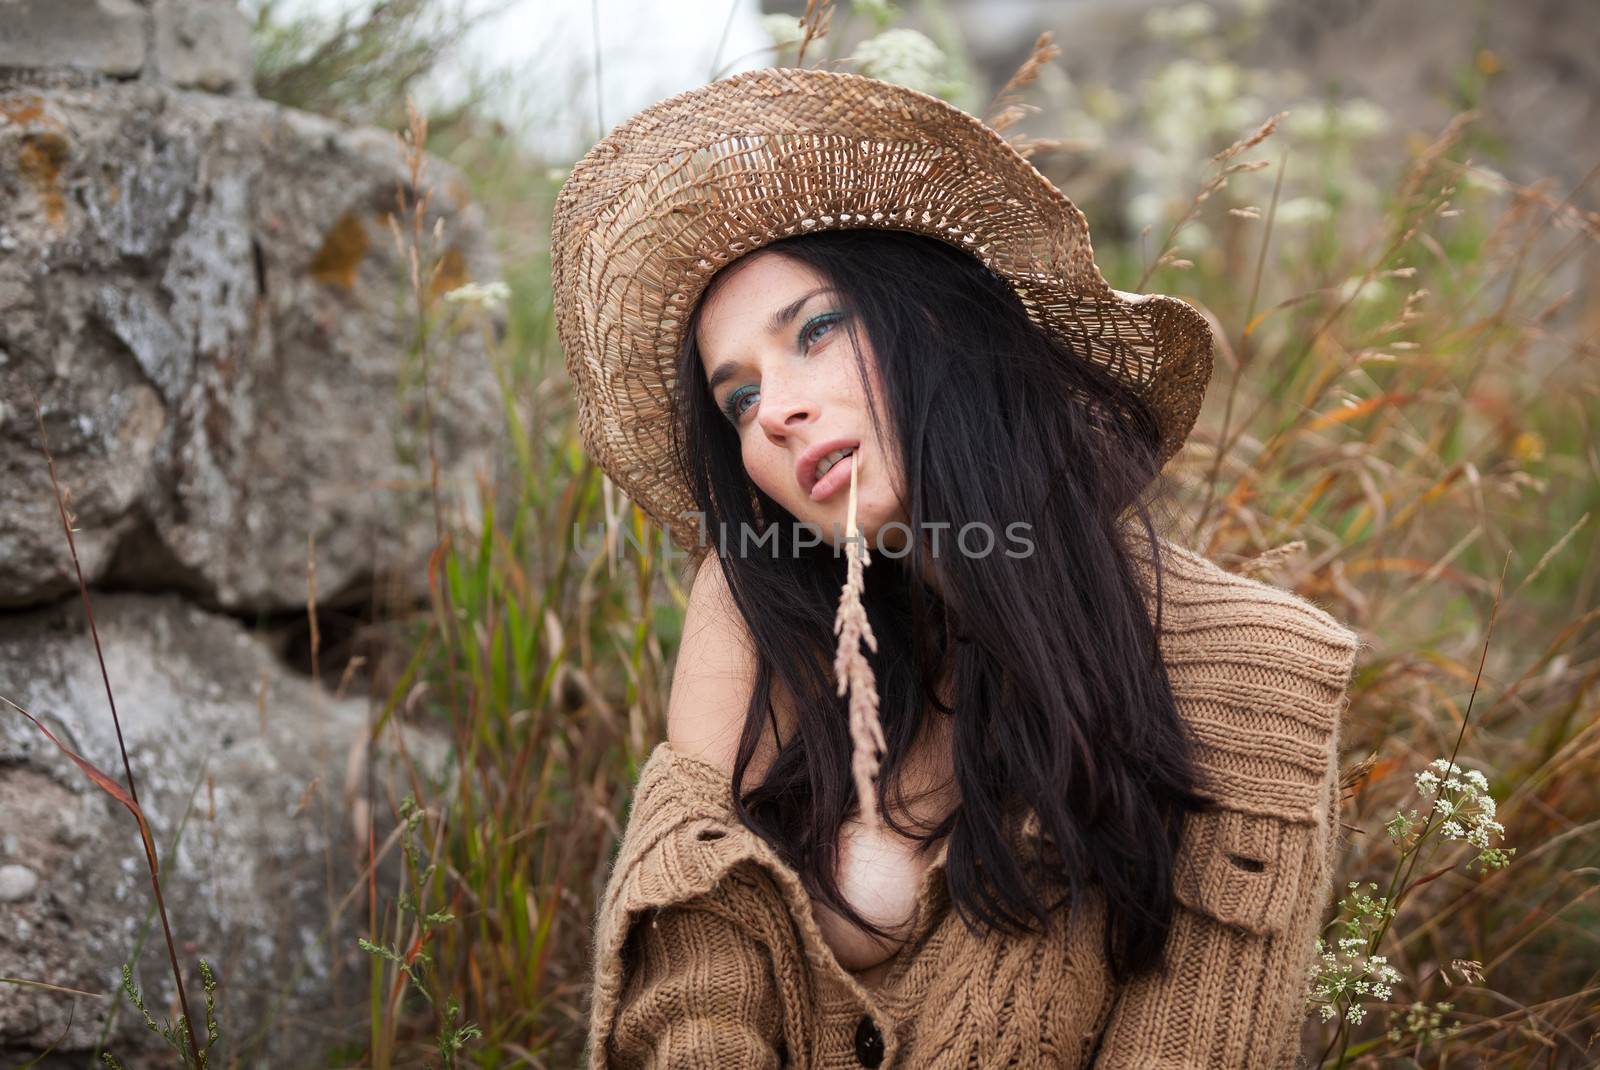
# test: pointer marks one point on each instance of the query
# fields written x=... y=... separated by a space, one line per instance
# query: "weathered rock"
x=105 y=36
x=206 y=296
x=190 y=44
x=202 y=44
x=246 y=766
x=17 y=882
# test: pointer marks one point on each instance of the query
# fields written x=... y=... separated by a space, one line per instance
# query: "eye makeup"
x=810 y=332
x=824 y=319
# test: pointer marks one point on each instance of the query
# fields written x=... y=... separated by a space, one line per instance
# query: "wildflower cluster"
x=1422 y=1024
x=1203 y=97
x=482 y=294
x=1180 y=23
x=907 y=58
x=1347 y=972
x=1461 y=798
x=784 y=30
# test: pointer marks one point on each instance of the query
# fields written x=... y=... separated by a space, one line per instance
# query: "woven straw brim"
x=693 y=182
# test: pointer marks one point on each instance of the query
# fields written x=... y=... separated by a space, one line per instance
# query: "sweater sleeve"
x=691 y=966
x=1254 y=877
x=699 y=991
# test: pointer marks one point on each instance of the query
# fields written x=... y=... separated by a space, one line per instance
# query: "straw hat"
x=695 y=181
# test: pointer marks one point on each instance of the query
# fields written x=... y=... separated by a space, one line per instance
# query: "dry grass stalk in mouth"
x=850 y=666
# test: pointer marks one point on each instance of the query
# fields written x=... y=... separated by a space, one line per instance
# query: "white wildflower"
x=1101 y=102
x=1083 y=129
x=1356 y=120
x=1220 y=82
x=1177 y=23
x=1371 y=290
x=902 y=56
x=1425 y=1025
x=483 y=295
x=1361 y=118
x=1312 y=123
x=1301 y=210
x=1196 y=236
x=1347 y=975
x=783 y=29
x=1243 y=112
x=1461 y=797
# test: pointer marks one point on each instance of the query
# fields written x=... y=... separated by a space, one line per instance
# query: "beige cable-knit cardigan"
x=707 y=953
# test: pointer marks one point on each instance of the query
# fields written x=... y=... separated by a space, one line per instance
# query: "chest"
x=879 y=875
x=880 y=872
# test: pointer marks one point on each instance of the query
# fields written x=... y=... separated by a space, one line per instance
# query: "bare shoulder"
x=714 y=677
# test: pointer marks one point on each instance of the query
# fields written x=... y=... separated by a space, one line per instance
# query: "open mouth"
x=833 y=473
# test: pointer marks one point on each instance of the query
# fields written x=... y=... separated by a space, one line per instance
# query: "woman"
x=1106 y=814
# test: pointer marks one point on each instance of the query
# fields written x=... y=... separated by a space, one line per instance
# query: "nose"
x=783 y=408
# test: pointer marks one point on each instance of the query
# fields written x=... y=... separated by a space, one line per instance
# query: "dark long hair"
x=1062 y=706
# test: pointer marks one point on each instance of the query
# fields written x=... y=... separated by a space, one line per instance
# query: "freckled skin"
x=793 y=393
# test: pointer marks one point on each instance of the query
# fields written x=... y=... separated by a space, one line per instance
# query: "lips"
x=805 y=469
x=835 y=480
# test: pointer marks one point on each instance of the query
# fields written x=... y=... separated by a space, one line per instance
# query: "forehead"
x=744 y=295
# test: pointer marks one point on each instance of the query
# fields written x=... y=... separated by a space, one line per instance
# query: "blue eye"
x=730 y=407
x=813 y=328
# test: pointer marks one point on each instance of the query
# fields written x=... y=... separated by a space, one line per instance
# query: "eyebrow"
x=777 y=322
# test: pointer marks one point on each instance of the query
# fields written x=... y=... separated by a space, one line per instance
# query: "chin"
x=871 y=521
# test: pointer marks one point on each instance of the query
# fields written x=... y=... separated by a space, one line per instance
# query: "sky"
x=545 y=51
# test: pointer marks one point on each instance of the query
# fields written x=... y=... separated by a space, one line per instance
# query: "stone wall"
x=201 y=291
x=188 y=44
x=205 y=295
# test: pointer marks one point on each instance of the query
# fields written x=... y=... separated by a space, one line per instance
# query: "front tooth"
x=832 y=459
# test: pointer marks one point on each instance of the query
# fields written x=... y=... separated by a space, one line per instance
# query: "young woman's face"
x=775 y=351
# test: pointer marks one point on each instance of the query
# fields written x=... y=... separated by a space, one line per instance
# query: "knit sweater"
x=707 y=953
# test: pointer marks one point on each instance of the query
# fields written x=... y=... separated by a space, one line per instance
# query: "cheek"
x=767 y=468
x=883 y=504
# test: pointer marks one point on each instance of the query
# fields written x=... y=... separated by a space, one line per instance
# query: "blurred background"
x=305 y=573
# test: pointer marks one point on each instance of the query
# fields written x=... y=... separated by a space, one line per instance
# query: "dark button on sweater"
x=869 y=1042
